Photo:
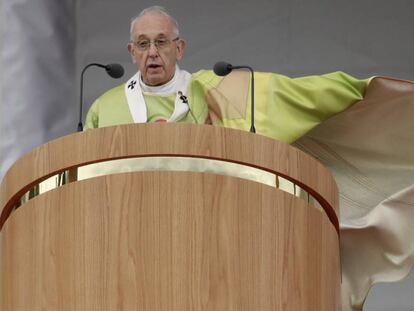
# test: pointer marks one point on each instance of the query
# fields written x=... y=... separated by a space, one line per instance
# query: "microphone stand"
x=252 y=128
x=114 y=70
x=223 y=69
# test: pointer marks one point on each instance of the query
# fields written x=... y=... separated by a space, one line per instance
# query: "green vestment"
x=285 y=109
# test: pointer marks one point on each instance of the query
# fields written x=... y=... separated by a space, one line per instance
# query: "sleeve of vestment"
x=285 y=108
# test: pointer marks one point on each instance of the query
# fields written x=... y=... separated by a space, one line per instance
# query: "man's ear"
x=131 y=52
x=180 y=48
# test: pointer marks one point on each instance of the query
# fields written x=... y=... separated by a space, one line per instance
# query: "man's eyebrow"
x=160 y=35
x=142 y=37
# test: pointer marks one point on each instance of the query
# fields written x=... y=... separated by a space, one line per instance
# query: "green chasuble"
x=285 y=109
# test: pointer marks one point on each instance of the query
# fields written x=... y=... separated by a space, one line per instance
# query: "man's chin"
x=156 y=80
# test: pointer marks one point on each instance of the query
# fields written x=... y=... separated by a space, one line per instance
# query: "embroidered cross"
x=183 y=97
x=131 y=85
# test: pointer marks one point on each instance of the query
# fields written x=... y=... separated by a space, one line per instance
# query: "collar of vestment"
x=178 y=85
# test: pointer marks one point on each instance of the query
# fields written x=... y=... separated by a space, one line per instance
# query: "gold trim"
x=171 y=164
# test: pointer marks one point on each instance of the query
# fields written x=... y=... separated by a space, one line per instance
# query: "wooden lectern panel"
x=173 y=139
x=159 y=241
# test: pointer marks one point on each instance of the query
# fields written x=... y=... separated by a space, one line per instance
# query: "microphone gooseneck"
x=113 y=70
x=223 y=69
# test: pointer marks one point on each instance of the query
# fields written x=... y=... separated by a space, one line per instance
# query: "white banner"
x=38 y=65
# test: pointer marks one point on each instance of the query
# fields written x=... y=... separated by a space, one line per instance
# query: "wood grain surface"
x=168 y=241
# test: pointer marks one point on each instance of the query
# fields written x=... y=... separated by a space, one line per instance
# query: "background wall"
x=295 y=38
x=46 y=44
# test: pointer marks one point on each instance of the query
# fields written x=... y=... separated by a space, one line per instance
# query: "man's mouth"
x=153 y=66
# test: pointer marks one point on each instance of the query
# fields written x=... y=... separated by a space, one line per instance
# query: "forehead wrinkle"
x=153 y=25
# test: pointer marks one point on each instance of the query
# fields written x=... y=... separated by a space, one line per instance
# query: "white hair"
x=154 y=10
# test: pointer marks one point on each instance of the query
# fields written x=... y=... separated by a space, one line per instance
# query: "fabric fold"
x=370 y=150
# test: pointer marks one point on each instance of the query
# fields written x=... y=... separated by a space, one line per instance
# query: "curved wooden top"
x=173 y=139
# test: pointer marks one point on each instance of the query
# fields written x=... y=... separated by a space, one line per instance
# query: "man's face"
x=157 y=65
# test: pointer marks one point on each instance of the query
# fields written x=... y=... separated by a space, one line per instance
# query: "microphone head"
x=222 y=68
x=114 y=70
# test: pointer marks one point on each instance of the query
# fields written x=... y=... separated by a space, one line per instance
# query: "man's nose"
x=152 y=50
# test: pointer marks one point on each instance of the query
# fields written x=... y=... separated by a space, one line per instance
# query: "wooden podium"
x=169 y=240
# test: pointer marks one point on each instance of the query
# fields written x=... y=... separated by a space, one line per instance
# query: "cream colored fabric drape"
x=370 y=150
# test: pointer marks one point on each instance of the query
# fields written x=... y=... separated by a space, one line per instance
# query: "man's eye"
x=161 y=42
x=143 y=44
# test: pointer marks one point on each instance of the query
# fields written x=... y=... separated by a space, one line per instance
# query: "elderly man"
x=160 y=91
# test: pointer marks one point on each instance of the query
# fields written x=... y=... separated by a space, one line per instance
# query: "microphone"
x=113 y=70
x=116 y=71
x=223 y=69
